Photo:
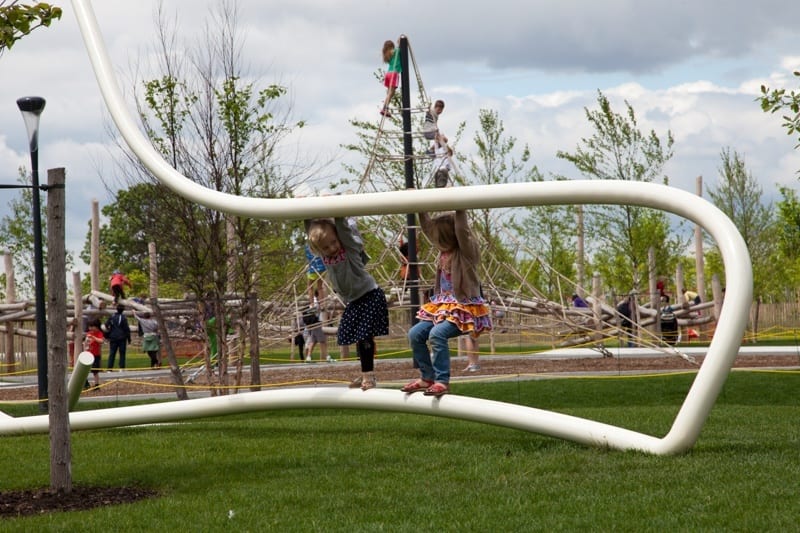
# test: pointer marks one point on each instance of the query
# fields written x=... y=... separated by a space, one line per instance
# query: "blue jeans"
x=438 y=368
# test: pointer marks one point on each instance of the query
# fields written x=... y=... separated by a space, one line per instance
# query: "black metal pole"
x=408 y=153
x=31 y=107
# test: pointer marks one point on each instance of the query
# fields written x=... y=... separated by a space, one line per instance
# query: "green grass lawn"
x=336 y=470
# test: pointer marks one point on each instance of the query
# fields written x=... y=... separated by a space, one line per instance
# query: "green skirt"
x=150 y=342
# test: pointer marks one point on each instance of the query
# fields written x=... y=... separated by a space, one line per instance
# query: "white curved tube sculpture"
x=687 y=424
x=79 y=374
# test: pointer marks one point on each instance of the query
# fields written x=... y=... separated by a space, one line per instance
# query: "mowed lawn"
x=338 y=470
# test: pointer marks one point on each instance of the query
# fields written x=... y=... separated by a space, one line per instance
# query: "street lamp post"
x=31 y=107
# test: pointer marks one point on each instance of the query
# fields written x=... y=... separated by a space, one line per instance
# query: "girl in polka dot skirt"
x=456 y=307
x=366 y=315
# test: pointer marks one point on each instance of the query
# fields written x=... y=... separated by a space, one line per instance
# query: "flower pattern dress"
x=472 y=317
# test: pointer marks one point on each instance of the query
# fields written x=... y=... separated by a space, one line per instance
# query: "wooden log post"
x=153 y=270
x=77 y=318
x=655 y=297
x=699 y=257
x=175 y=369
x=10 y=361
x=580 y=260
x=58 y=400
x=94 y=262
x=719 y=295
x=597 y=308
x=255 y=348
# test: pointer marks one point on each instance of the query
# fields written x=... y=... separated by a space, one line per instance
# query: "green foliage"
x=623 y=235
x=774 y=100
x=551 y=236
x=16 y=235
x=219 y=472
x=496 y=162
x=787 y=256
x=740 y=197
x=18 y=20
x=788 y=223
x=222 y=133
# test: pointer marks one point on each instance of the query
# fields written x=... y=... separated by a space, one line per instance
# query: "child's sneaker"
x=308 y=359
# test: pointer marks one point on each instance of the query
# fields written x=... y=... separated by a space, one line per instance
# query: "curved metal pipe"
x=693 y=413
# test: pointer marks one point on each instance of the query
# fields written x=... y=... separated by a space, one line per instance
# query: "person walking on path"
x=151 y=341
x=118 y=332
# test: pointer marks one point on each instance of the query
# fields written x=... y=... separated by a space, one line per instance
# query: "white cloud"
x=694 y=69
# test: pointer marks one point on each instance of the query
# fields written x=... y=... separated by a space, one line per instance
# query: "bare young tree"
x=739 y=195
x=214 y=126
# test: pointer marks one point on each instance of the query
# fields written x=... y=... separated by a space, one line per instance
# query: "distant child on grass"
x=366 y=315
x=93 y=343
x=456 y=306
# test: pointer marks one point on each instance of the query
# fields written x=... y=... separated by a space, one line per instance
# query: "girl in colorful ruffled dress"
x=456 y=307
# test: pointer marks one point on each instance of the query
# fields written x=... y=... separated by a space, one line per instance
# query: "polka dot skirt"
x=364 y=318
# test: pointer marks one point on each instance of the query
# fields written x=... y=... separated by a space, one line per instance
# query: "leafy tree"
x=740 y=197
x=493 y=163
x=619 y=150
x=552 y=240
x=788 y=219
x=18 y=20
x=774 y=100
x=223 y=132
x=16 y=235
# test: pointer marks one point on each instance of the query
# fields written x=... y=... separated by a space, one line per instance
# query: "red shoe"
x=437 y=389
x=385 y=112
x=416 y=385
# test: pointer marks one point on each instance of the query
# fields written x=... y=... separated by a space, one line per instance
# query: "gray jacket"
x=346 y=272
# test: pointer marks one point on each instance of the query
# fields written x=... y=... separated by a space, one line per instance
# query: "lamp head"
x=31 y=107
x=31 y=104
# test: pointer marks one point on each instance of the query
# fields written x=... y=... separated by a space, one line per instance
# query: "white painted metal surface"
x=75 y=385
x=690 y=419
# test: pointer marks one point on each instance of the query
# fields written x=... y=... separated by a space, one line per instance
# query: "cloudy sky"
x=694 y=68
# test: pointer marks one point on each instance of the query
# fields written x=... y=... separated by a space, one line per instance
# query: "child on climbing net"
x=366 y=315
x=456 y=306
x=391 y=80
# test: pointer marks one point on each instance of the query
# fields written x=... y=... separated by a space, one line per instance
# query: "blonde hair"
x=443 y=232
x=317 y=230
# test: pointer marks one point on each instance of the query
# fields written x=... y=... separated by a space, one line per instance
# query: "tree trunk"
x=177 y=378
x=255 y=349
x=60 y=446
x=11 y=295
